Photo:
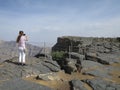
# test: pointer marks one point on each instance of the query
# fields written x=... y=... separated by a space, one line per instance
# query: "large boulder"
x=100 y=84
x=70 y=65
x=77 y=85
x=103 y=58
x=96 y=69
x=90 y=65
x=99 y=73
x=78 y=56
x=52 y=65
x=34 y=66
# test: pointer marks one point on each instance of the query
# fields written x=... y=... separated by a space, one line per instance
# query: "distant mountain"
x=9 y=49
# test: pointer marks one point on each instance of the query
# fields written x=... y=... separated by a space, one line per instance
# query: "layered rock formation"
x=102 y=50
x=89 y=44
x=93 y=56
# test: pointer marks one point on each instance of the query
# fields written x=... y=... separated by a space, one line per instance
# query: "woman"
x=21 y=39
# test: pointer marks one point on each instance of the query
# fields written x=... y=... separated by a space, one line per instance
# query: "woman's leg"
x=23 y=56
x=20 y=55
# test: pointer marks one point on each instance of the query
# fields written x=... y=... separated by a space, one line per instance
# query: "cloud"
x=104 y=28
x=48 y=20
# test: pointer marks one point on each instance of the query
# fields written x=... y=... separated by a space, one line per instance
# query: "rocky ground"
x=64 y=81
x=98 y=60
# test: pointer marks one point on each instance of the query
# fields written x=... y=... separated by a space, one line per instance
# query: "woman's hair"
x=19 y=36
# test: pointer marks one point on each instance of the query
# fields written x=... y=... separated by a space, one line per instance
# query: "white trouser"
x=21 y=55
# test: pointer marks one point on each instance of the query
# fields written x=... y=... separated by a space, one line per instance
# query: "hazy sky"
x=45 y=20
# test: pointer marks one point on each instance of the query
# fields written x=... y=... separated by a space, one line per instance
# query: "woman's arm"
x=26 y=38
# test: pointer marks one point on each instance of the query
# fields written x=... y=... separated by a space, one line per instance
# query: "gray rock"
x=19 y=84
x=41 y=68
x=77 y=56
x=92 y=57
x=48 y=77
x=77 y=85
x=97 y=69
x=103 y=58
x=87 y=65
x=99 y=84
x=70 y=65
x=70 y=68
x=52 y=65
x=34 y=67
x=110 y=58
x=98 y=73
x=70 y=61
